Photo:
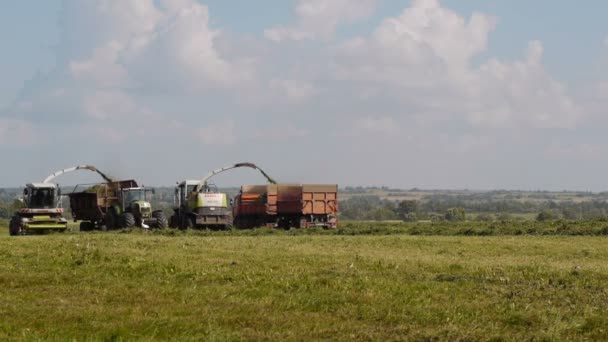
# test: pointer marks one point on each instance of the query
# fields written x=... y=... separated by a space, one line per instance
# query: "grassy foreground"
x=220 y=287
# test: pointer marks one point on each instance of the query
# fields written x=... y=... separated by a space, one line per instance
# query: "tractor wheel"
x=86 y=226
x=111 y=220
x=173 y=222
x=229 y=222
x=127 y=220
x=185 y=222
x=16 y=226
x=161 y=219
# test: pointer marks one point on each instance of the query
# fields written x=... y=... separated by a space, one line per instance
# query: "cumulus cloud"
x=319 y=19
x=218 y=133
x=16 y=133
x=293 y=90
x=419 y=84
x=112 y=50
x=376 y=126
x=425 y=57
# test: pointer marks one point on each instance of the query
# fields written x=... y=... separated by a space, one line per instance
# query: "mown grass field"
x=357 y=283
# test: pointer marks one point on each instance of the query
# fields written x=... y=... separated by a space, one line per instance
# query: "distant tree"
x=485 y=217
x=381 y=214
x=455 y=214
x=406 y=210
x=570 y=213
x=505 y=217
x=544 y=215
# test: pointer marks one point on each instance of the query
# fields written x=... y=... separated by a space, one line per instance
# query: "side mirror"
x=25 y=192
x=231 y=202
x=153 y=191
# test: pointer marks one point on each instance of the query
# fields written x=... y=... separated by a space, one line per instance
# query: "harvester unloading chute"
x=75 y=168
x=203 y=184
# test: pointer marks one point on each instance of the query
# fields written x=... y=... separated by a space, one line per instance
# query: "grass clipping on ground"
x=142 y=286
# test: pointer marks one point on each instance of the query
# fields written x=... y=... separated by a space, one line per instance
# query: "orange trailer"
x=286 y=205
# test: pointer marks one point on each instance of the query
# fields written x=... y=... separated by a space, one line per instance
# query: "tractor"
x=115 y=205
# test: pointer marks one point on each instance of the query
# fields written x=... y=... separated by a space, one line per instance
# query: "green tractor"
x=134 y=209
x=199 y=204
x=115 y=205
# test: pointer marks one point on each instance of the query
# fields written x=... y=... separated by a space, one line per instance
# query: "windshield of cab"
x=135 y=195
x=42 y=199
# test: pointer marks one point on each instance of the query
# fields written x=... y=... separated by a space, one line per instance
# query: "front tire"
x=161 y=219
x=229 y=222
x=185 y=222
x=16 y=226
x=127 y=220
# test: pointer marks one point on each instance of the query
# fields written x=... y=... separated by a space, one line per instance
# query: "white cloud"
x=280 y=133
x=109 y=48
x=521 y=93
x=377 y=127
x=157 y=75
x=218 y=133
x=319 y=19
x=104 y=105
x=424 y=58
x=293 y=90
x=17 y=133
x=578 y=151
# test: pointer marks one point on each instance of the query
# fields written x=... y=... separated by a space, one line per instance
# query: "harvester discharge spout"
x=75 y=168
x=203 y=184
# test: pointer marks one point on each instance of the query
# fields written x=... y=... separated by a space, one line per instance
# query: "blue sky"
x=522 y=85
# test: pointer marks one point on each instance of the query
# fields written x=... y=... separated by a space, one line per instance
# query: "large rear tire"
x=16 y=226
x=111 y=220
x=127 y=220
x=161 y=219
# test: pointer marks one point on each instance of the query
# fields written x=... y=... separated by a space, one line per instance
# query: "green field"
x=303 y=285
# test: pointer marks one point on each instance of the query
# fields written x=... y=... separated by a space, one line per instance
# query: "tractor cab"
x=135 y=200
x=41 y=196
x=183 y=191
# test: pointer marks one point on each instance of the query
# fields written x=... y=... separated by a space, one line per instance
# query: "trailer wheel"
x=127 y=220
x=16 y=226
x=86 y=226
x=161 y=219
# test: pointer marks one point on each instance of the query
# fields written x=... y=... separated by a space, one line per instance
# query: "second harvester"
x=198 y=204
